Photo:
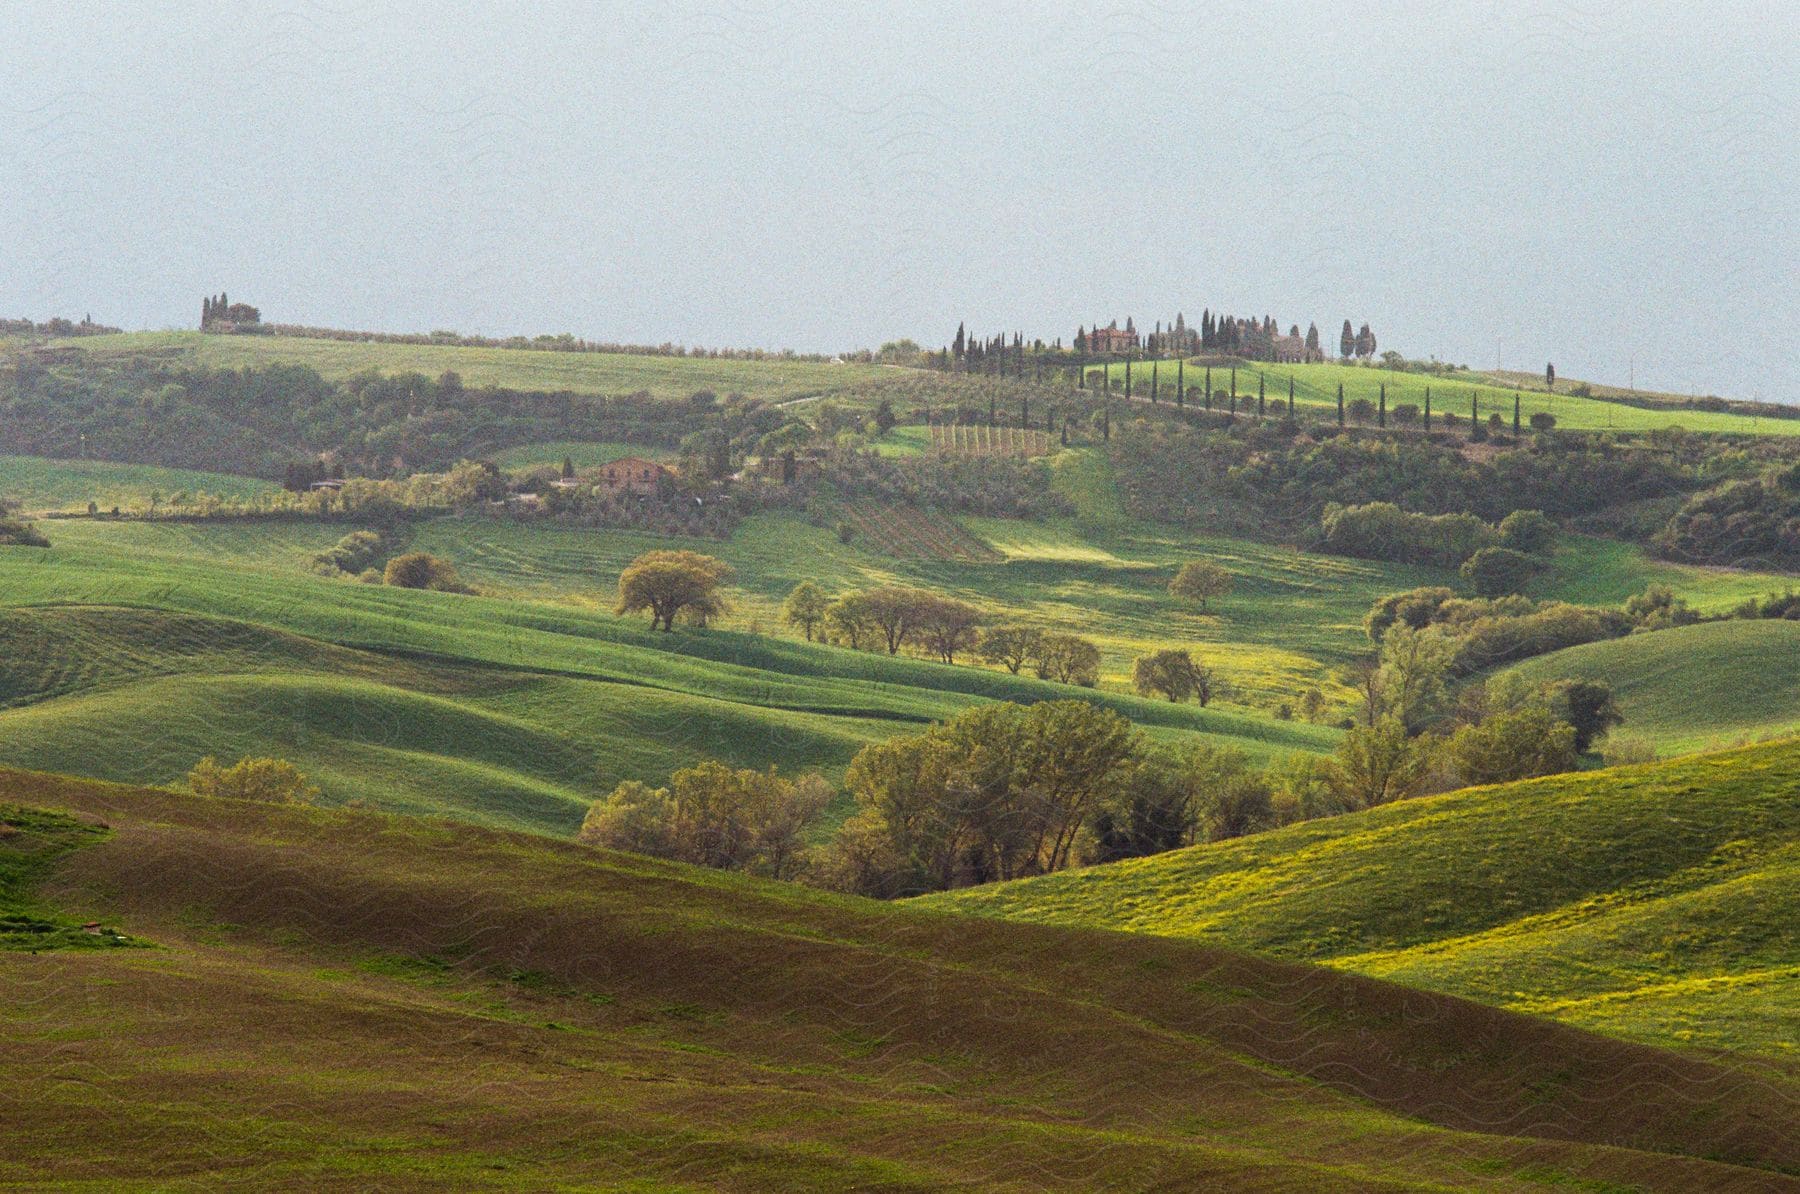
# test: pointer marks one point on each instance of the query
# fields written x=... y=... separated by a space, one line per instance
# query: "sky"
x=1612 y=187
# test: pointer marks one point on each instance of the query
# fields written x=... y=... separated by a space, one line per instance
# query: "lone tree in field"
x=273 y=781
x=1199 y=580
x=806 y=607
x=1175 y=674
x=668 y=583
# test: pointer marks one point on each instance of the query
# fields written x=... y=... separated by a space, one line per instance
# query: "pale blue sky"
x=1586 y=183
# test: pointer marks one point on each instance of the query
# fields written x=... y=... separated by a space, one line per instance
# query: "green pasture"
x=1316 y=386
x=1694 y=687
x=510 y=368
x=42 y=484
x=1659 y=902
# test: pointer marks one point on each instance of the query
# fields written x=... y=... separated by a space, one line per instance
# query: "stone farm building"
x=633 y=474
x=1113 y=338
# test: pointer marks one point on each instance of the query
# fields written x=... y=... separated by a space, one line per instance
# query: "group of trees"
x=1495 y=560
x=991 y=486
x=894 y=617
x=1478 y=633
x=1753 y=522
x=55 y=327
x=1417 y=732
x=550 y=342
x=220 y=311
x=1264 y=482
x=716 y=816
x=259 y=421
x=269 y=780
x=1005 y=791
x=1359 y=344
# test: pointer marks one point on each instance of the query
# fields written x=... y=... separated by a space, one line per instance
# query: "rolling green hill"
x=1316 y=386
x=1697 y=686
x=344 y=999
x=39 y=484
x=509 y=368
x=1659 y=902
x=129 y=659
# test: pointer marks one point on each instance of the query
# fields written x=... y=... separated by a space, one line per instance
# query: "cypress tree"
x=1381 y=414
x=1234 y=389
x=1181 y=384
x=1428 y=409
x=1206 y=398
x=1340 y=404
x=1292 y=417
x=1127 y=378
x=1262 y=387
x=1515 y=412
x=1474 y=413
x=1153 y=382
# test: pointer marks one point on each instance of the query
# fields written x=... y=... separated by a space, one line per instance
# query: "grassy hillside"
x=1699 y=686
x=510 y=368
x=131 y=659
x=343 y=999
x=40 y=484
x=1316 y=386
x=1589 y=570
x=1291 y=621
x=1660 y=902
x=583 y=455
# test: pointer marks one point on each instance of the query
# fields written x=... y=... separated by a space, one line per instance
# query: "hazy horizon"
x=1603 y=187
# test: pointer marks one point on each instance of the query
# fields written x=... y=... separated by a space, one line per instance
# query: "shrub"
x=1529 y=531
x=1383 y=531
x=273 y=781
x=15 y=532
x=1378 y=764
x=1518 y=744
x=1495 y=571
x=421 y=570
x=1626 y=750
x=1417 y=608
x=754 y=821
x=355 y=553
x=1543 y=420
x=1657 y=608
